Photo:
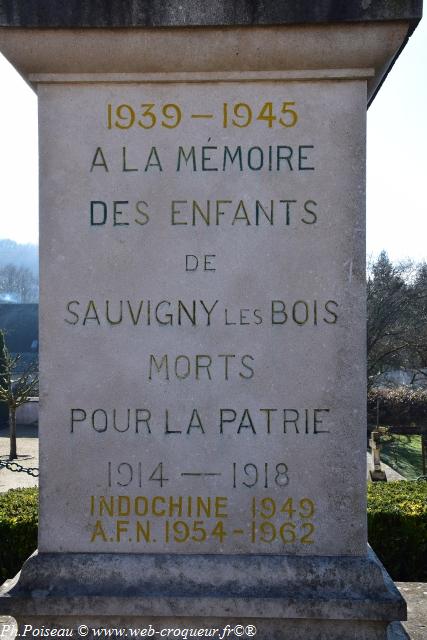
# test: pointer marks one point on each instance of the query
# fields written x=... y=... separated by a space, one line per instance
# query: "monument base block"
x=284 y=597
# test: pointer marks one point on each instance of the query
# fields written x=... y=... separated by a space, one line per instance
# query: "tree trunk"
x=12 y=433
x=424 y=452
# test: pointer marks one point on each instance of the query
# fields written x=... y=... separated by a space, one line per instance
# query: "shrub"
x=397 y=527
x=18 y=529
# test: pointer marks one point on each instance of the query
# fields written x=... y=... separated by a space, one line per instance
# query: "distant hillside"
x=20 y=255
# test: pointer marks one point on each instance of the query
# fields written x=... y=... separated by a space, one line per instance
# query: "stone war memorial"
x=202 y=314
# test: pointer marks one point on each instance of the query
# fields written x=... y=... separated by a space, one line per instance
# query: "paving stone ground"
x=28 y=456
x=8 y=628
x=415 y=593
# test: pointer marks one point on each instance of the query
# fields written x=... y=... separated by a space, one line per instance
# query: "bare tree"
x=397 y=316
x=19 y=282
x=15 y=389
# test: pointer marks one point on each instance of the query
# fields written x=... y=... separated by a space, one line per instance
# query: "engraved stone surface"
x=202 y=318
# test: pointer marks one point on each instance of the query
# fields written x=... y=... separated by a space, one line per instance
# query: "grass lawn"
x=403 y=454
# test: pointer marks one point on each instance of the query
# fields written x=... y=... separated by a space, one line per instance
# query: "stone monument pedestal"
x=202 y=314
x=284 y=597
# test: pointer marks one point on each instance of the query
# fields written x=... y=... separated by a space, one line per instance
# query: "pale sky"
x=396 y=166
x=397 y=157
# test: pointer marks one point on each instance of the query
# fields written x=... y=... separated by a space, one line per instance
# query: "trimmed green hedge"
x=397 y=527
x=18 y=529
x=397 y=405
